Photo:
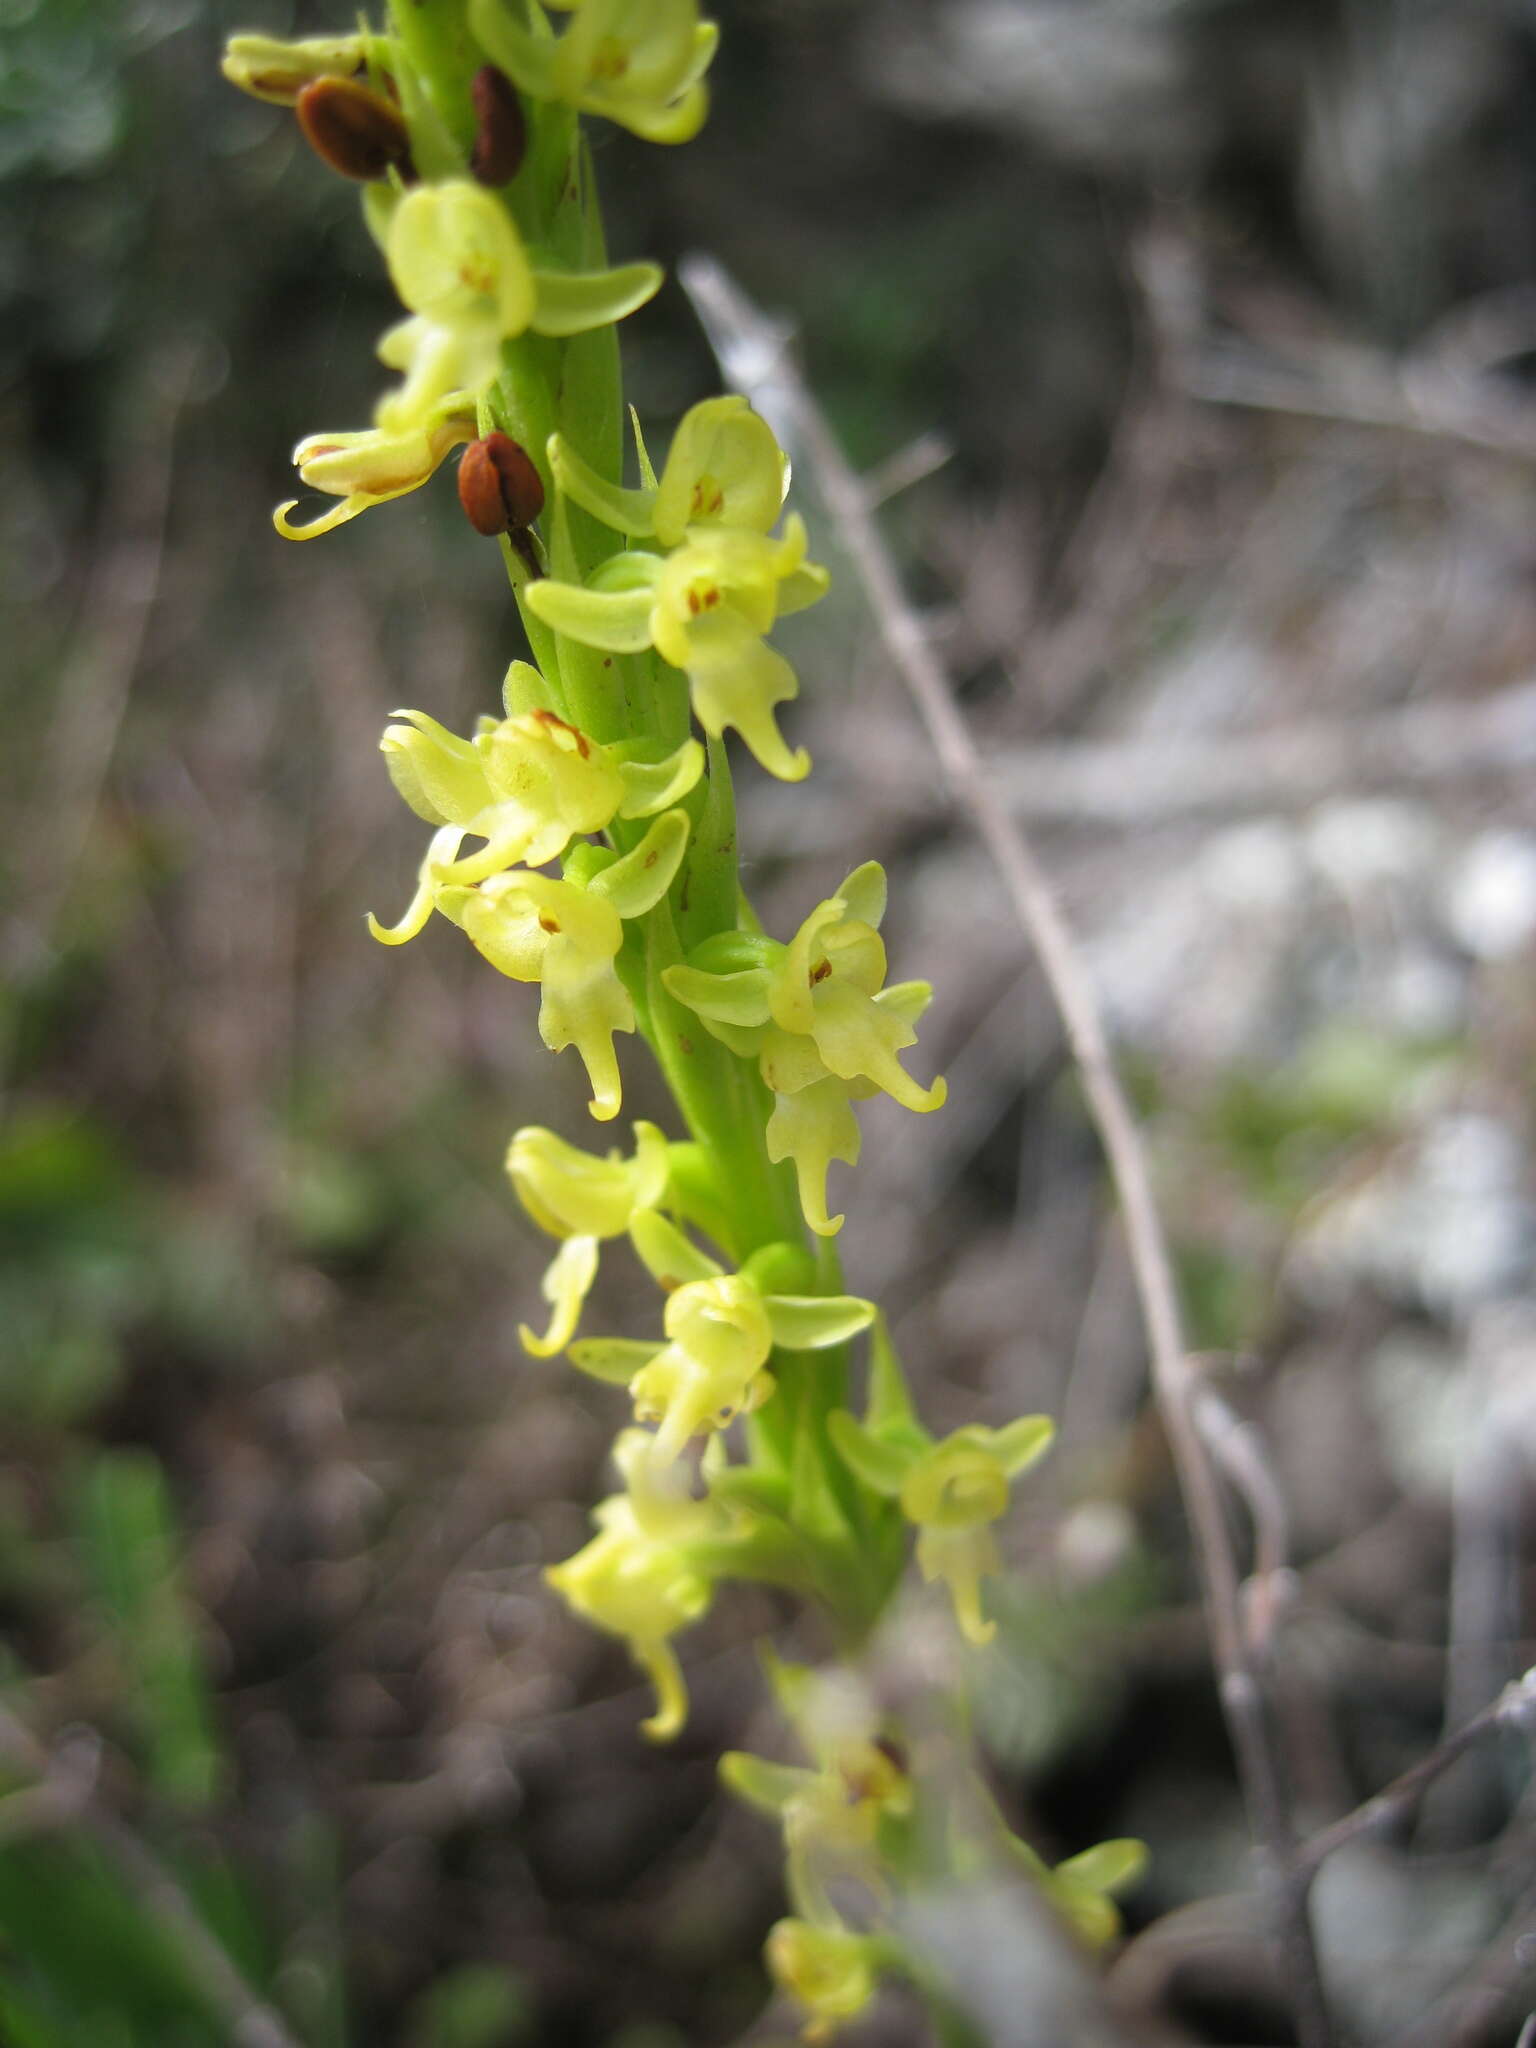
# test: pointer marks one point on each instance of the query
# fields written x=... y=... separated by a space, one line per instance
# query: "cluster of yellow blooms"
x=460 y=124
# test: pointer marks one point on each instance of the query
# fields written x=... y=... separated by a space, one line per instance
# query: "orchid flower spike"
x=582 y=1200
x=639 y=63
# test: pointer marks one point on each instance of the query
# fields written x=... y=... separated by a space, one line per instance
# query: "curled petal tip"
x=666 y=1674
x=338 y=515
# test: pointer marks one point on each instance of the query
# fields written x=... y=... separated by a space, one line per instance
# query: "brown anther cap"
x=501 y=128
x=499 y=487
x=353 y=128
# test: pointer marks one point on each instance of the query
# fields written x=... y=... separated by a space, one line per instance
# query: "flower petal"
x=571 y=302
x=566 y=1284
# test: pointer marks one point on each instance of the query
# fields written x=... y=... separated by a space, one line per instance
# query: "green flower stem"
x=837 y=1542
x=435 y=39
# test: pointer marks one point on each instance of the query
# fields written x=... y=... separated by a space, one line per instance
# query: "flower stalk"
x=585 y=841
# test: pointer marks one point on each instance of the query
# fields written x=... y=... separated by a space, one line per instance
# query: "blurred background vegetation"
x=1193 y=339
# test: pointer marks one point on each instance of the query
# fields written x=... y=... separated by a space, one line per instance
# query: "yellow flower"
x=821 y=1023
x=459 y=265
x=829 y=1972
x=951 y=1491
x=831 y=1815
x=461 y=270
x=640 y=1587
x=721 y=1329
x=639 y=63
x=581 y=1200
x=724 y=469
x=271 y=69
x=564 y=934
x=526 y=784
x=705 y=608
x=368 y=468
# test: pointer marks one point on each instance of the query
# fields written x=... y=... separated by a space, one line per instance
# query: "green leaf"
x=132 y=1553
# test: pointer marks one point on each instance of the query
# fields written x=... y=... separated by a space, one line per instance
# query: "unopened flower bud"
x=353 y=128
x=501 y=128
x=499 y=487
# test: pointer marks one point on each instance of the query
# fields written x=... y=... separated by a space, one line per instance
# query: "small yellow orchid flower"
x=370 y=467
x=461 y=270
x=582 y=1200
x=705 y=608
x=563 y=934
x=639 y=63
x=643 y=1588
x=1082 y=1888
x=951 y=1491
x=527 y=784
x=724 y=469
x=830 y=1973
x=721 y=1329
x=269 y=68
x=566 y=935
x=822 y=1025
x=831 y=1815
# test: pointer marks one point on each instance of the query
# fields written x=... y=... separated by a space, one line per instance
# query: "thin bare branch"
x=1239 y=1450
x=1515 y=1708
x=753 y=354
